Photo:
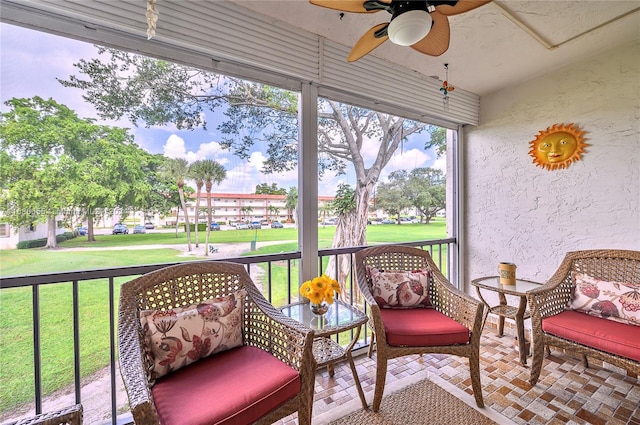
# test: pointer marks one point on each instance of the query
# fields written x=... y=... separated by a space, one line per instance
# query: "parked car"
x=241 y=226
x=255 y=225
x=276 y=225
x=120 y=229
x=139 y=229
x=149 y=226
x=214 y=226
x=387 y=221
x=82 y=230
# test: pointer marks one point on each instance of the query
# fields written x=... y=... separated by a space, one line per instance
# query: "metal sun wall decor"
x=557 y=146
x=446 y=88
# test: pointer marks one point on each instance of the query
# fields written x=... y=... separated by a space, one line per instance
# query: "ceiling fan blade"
x=368 y=42
x=437 y=41
x=356 y=6
x=460 y=7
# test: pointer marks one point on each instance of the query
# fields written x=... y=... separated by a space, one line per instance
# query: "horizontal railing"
x=440 y=251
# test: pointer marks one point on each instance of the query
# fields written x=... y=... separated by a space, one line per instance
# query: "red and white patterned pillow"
x=618 y=301
x=400 y=289
x=178 y=337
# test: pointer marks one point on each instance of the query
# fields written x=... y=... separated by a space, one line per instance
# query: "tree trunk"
x=206 y=243
x=198 y=213
x=177 y=217
x=90 y=234
x=351 y=231
x=51 y=232
x=186 y=218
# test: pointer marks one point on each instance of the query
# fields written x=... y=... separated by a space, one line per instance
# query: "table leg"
x=503 y=301
x=520 y=327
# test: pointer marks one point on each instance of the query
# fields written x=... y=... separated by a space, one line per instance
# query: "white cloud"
x=174 y=147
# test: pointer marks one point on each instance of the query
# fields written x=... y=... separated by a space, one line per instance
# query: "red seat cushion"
x=422 y=327
x=232 y=387
x=606 y=335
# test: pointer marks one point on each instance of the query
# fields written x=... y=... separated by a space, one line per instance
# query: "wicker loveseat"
x=248 y=363
x=590 y=306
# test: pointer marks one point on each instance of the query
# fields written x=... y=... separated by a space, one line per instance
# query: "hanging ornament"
x=152 y=18
x=446 y=88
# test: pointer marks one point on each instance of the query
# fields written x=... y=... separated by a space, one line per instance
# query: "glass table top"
x=341 y=316
x=521 y=287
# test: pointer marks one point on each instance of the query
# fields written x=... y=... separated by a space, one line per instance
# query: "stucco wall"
x=528 y=215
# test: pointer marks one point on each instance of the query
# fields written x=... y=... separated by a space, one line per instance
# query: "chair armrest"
x=131 y=359
x=71 y=415
x=456 y=304
x=271 y=330
x=552 y=297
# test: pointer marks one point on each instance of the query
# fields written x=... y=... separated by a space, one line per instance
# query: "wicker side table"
x=519 y=314
x=341 y=317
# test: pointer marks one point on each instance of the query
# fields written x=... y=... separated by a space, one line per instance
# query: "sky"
x=30 y=62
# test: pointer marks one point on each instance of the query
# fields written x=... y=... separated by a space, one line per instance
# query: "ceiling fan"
x=423 y=25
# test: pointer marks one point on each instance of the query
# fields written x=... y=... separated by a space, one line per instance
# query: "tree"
x=196 y=171
x=124 y=181
x=272 y=210
x=437 y=140
x=38 y=138
x=246 y=211
x=177 y=169
x=273 y=189
x=392 y=197
x=291 y=203
x=426 y=190
x=128 y=86
x=421 y=188
x=55 y=163
x=212 y=172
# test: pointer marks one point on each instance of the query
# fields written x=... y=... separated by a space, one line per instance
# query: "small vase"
x=319 y=309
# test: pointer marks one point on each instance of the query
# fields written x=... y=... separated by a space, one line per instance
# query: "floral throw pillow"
x=400 y=289
x=618 y=301
x=180 y=336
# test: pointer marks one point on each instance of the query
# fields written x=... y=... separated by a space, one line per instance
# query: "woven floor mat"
x=421 y=403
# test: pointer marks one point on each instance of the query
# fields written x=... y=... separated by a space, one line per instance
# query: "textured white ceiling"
x=489 y=48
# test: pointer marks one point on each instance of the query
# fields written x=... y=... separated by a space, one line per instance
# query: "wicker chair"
x=445 y=298
x=71 y=415
x=553 y=297
x=263 y=327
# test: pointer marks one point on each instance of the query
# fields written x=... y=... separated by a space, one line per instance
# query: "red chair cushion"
x=422 y=327
x=601 y=334
x=237 y=386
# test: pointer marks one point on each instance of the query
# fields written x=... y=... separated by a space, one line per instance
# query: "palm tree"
x=196 y=172
x=177 y=170
x=246 y=211
x=273 y=210
x=292 y=203
x=212 y=172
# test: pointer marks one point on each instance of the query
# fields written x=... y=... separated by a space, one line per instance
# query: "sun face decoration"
x=557 y=146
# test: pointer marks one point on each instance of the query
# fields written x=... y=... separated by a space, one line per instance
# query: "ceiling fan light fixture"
x=409 y=27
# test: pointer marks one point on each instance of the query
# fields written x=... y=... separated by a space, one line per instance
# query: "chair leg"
x=381 y=378
x=373 y=340
x=536 y=362
x=474 y=371
x=585 y=361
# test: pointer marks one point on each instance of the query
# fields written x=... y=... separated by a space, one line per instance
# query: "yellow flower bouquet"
x=320 y=291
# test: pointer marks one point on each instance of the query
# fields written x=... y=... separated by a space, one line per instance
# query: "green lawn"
x=16 y=350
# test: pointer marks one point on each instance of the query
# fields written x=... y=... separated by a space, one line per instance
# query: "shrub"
x=39 y=243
